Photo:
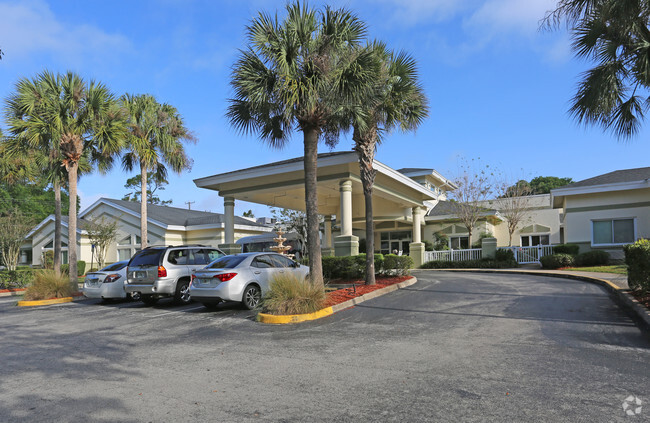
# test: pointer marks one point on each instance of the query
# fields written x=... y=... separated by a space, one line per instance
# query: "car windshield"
x=115 y=266
x=226 y=262
x=146 y=258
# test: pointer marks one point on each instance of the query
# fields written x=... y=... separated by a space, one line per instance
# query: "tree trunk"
x=143 y=206
x=72 y=225
x=311 y=204
x=365 y=149
x=57 y=227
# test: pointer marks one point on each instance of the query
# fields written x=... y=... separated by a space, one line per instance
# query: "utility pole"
x=189 y=204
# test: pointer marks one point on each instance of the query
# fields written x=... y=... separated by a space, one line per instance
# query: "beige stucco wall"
x=581 y=210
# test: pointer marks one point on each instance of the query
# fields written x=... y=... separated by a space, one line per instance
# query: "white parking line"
x=176 y=311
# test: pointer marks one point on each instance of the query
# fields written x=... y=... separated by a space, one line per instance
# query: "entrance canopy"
x=281 y=184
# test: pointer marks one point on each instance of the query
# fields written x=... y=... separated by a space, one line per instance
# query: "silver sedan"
x=241 y=277
x=106 y=283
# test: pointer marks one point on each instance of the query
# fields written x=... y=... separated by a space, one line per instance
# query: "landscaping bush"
x=555 y=261
x=592 y=258
x=289 y=295
x=637 y=258
x=342 y=268
x=398 y=265
x=507 y=257
x=48 y=285
x=19 y=278
x=468 y=264
x=572 y=249
x=48 y=259
x=361 y=262
x=81 y=267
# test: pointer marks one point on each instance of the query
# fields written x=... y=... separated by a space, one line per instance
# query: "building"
x=606 y=211
x=166 y=226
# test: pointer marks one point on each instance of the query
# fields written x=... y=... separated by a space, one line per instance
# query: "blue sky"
x=498 y=87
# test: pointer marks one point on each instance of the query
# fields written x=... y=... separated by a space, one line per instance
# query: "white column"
x=229 y=223
x=417 y=225
x=345 y=187
x=328 y=232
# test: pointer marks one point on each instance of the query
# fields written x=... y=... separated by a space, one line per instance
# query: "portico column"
x=346 y=244
x=326 y=249
x=229 y=246
x=416 y=248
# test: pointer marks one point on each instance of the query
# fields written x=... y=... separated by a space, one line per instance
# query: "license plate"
x=140 y=275
x=93 y=281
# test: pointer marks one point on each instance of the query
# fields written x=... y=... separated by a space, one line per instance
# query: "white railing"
x=453 y=255
x=525 y=255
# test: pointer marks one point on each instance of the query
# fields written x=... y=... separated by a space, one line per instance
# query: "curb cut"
x=297 y=318
x=622 y=296
x=26 y=303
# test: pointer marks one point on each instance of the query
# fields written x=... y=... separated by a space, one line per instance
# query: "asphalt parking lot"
x=452 y=347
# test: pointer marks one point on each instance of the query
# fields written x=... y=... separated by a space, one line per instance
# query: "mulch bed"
x=344 y=294
x=644 y=299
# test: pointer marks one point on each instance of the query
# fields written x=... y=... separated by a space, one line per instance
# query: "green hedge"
x=592 y=258
x=555 y=261
x=19 y=278
x=81 y=268
x=468 y=264
x=354 y=267
x=637 y=258
x=572 y=249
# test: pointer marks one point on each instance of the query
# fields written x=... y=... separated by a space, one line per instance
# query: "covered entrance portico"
x=397 y=199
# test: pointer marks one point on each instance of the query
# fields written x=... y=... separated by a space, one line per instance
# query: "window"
x=226 y=262
x=613 y=231
x=125 y=241
x=178 y=257
x=123 y=254
x=263 y=262
x=459 y=242
x=534 y=240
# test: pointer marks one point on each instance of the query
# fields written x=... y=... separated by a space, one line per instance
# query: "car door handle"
x=257 y=272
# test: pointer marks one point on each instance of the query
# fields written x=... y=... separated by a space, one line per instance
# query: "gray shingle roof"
x=406 y=170
x=180 y=217
x=445 y=208
x=618 y=176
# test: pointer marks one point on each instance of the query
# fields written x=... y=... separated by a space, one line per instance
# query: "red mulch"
x=342 y=295
x=644 y=299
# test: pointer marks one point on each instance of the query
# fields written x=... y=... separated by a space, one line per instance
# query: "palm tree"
x=300 y=73
x=615 y=34
x=82 y=118
x=155 y=138
x=396 y=101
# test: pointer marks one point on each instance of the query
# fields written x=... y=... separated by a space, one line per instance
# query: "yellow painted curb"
x=25 y=303
x=293 y=318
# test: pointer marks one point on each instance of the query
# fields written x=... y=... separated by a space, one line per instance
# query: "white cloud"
x=412 y=11
x=496 y=17
x=31 y=26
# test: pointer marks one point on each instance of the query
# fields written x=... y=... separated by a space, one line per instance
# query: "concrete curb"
x=45 y=302
x=622 y=296
x=12 y=292
x=297 y=318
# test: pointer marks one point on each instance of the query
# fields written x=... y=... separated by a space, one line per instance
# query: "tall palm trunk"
x=311 y=204
x=57 y=227
x=365 y=149
x=143 y=206
x=72 y=168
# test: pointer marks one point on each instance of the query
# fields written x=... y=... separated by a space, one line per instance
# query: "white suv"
x=158 y=272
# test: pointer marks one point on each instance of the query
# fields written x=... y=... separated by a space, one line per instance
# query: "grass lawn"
x=619 y=269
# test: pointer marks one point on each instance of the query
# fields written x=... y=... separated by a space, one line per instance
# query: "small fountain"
x=281 y=248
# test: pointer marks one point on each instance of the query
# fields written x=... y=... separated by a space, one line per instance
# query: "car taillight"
x=112 y=278
x=162 y=272
x=223 y=277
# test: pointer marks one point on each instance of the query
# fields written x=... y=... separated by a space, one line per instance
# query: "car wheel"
x=135 y=296
x=149 y=299
x=182 y=292
x=252 y=297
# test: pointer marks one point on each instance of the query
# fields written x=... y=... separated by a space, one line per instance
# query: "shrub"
x=81 y=268
x=342 y=268
x=572 y=249
x=360 y=261
x=398 y=265
x=48 y=285
x=555 y=261
x=637 y=258
x=592 y=258
x=289 y=295
x=506 y=257
x=18 y=278
x=48 y=259
x=428 y=245
x=468 y=264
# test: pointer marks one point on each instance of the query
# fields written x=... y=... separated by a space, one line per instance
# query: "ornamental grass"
x=289 y=295
x=47 y=285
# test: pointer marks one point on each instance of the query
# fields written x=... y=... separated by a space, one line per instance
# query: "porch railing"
x=453 y=255
x=525 y=255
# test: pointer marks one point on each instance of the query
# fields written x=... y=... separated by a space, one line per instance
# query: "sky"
x=499 y=87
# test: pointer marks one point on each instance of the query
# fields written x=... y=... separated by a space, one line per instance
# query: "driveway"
x=452 y=347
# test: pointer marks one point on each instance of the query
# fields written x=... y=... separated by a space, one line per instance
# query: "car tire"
x=149 y=299
x=252 y=297
x=182 y=295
